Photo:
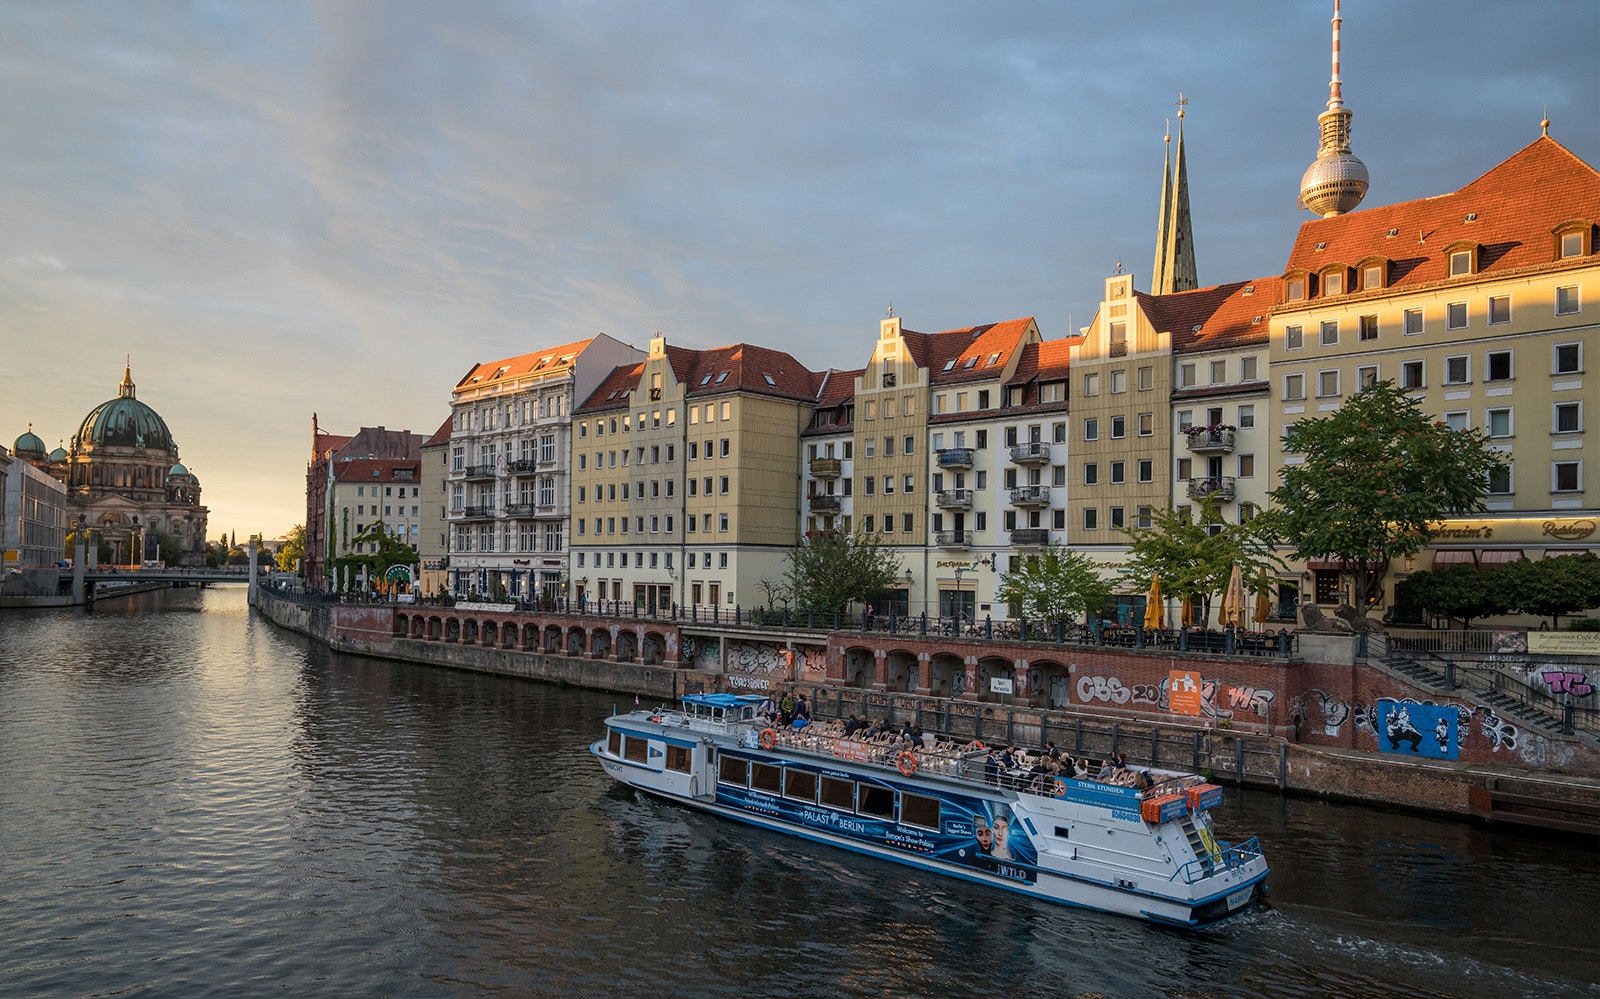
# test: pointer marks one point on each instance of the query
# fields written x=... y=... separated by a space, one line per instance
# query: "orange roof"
x=379 y=469
x=546 y=361
x=835 y=387
x=970 y=354
x=739 y=367
x=1047 y=360
x=1509 y=211
x=614 y=389
x=1223 y=315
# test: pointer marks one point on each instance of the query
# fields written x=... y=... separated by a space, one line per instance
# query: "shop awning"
x=1499 y=556
x=1452 y=556
x=1558 y=552
x=1325 y=566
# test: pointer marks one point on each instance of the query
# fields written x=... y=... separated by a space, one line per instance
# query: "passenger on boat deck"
x=801 y=708
x=991 y=767
x=852 y=726
x=1121 y=762
x=1051 y=751
x=927 y=740
x=1105 y=771
x=1008 y=759
x=786 y=708
x=1080 y=769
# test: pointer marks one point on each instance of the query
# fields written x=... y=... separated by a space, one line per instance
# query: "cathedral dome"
x=57 y=456
x=28 y=445
x=180 y=474
x=125 y=422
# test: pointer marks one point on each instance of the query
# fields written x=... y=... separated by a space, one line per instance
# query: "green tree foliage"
x=1055 y=584
x=391 y=551
x=1550 y=587
x=1375 y=480
x=1194 y=556
x=292 y=550
x=94 y=541
x=1463 y=592
x=169 y=549
x=830 y=570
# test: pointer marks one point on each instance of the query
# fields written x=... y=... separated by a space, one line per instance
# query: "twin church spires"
x=1174 y=266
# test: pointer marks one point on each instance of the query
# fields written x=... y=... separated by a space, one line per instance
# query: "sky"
x=279 y=209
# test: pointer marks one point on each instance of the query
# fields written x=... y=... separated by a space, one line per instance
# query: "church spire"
x=1174 y=267
x=125 y=389
x=1337 y=181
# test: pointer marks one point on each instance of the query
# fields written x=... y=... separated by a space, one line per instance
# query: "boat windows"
x=766 y=777
x=636 y=749
x=876 y=801
x=733 y=770
x=614 y=743
x=919 y=810
x=840 y=794
x=1062 y=832
x=800 y=785
x=678 y=758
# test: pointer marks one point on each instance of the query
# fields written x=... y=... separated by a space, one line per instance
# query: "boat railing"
x=1229 y=857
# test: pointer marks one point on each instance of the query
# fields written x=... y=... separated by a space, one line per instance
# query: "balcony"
x=955 y=457
x=479 y=471
x=1030 y=453
x=1204 y=441
x=477 y=513
x=1220 y=488
x=523 y=466
x=522 y=511
x=826 y=468
x=823 y=504
x=953 y=499
x=1030 y=537
x=953 y=539
x=1030 y=496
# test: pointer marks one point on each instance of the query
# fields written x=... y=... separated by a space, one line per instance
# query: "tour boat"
x=1146 y=852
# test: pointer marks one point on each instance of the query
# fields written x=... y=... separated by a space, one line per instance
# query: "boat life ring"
x=769 y=738
x=1061 y=788
x=975 y=745
x=908 y=763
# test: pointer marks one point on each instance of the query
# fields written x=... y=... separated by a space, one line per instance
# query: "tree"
x=774 y=591
x=378 y=551
x=1460 y=591
x=829 y=570
x=92 y=541
x=169 y=548
x=1194 y=556
x=292 y=551
x=1054 y=584
x=1550 y=587
x=1374 y=481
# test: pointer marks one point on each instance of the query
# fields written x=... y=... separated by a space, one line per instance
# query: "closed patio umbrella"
x=1153 y=617
x=1188 y=612
x=1231 y=611
x=1263 y=603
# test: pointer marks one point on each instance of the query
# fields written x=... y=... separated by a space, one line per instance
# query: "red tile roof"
x=442 y=435
x=1516 y=205
x=1221 y=316
x=739 y=367
x=523 y=364
x=613 y=390
x=956 y=348
x=1047 y=360
x=836 y=387
x=363 y=469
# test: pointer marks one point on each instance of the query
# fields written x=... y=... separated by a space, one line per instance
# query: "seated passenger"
x=1080 y=769
x=1105 y=771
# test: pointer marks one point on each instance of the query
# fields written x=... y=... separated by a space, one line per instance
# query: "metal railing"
x=1031 y=451
x=955 y=457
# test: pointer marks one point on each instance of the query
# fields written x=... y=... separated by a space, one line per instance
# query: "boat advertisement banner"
x=972 y=832
x=1410 y=729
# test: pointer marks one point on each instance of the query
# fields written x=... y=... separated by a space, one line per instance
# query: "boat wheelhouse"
x=1142 y=851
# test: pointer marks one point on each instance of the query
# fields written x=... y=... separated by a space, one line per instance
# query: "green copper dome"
x=59 y=454
x=28 y=444
x=125 y=422
x=179 y=472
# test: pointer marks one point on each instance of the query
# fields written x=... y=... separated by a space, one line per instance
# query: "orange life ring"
x=1061 y=788
x=908 y=763
x=769 y=738
x=975 y=745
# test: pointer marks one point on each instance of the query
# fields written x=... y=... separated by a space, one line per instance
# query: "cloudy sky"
x=282 y=208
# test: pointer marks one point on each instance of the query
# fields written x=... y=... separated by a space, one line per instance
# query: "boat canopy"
x=722 y=700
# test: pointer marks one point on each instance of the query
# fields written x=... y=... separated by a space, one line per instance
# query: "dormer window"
x=1571 y=244
x=1371 y=277
x=1333 y=282
x=1574 y=239
x=1295 y=289
x=1460 y=263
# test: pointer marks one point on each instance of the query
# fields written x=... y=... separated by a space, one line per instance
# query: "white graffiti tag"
x=1103 y=688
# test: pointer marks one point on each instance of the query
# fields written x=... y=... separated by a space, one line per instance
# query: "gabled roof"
x=975 y=353
x=1513 y=209
x=613 y=391
x=836 y=387
x=442 y=435
x=1047 y=360
x=1214 y=318
x=748 y=368
x=542 y=362
x=376 y=469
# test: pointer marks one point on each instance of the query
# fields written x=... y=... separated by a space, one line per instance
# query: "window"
x=1460 y=263
x=1327 y=383
x=1458 y=420
x=1091 y=519
x=888 y=485
x=1185 y=376
x=1330 y=333
x=1457 y=369
x=1568 y=302
x=1219 y=372
x=1091 y=386
x=1058 y=432
x=1119 y=335
x=725 y=443
x=1185 y=469
x=906 y=522
x=1147 y=379
x=1566 y=359
x=1411 y=323
x=871 y=484
x=1247 y=368
x=1499 y=309
x=1294 y=386
x=1333 y=283
x=869 y=448
x=1497 y=422
x=910 y=447
x=1369 y=328
x=1247 y=466
x=1118 y=472
x=1058 y=475
x=1119 y=427
x=1185 y=419
x=1297 y=289
x=1091 y=474
x=1293 y=338
x=722 y=525
x=1498 y=363
x=1567 y=418
x=1366 y=376
x=1116 y=516
x=1091 y=430
x=888 y=447
x=1411 y=375
x=1371 y=277
x=1500 y=480
x=1147 y=470
x=722 y=485
x=1455 y=316
x=1119 y=381
x=1566 y=476
x=1147 y=424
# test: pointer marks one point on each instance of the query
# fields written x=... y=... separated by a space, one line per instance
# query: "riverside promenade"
x=1320 y=716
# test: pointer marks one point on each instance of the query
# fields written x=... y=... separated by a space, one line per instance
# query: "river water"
x=195 y=803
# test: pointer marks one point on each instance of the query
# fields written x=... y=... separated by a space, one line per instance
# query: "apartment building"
x=510 y=472
x=686 y=478
x=433 y=531
x=828 y=475
x=366 y=492
x=1482 y=303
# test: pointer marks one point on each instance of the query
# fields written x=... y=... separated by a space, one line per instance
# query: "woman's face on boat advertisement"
x=985 y=837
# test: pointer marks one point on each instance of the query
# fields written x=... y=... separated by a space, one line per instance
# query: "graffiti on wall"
x=1256 y=700
x=1563 y=681
x=1423 y=730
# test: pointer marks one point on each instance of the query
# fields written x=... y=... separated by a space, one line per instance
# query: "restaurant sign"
x=1530 y=530
x=1564 y=643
